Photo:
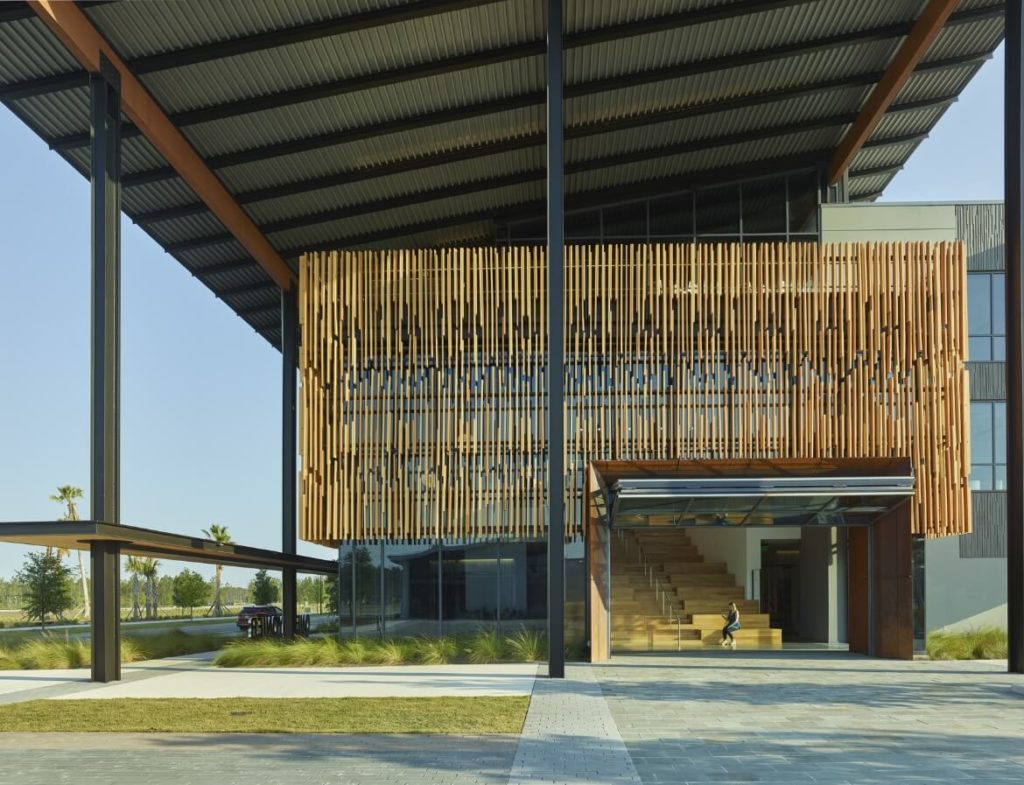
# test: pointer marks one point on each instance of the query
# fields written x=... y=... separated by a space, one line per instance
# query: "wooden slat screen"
x=423 y=405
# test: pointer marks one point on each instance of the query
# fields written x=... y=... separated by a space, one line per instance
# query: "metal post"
x=337 y=593
x=1014 y=187
x=440 y=590
x=382 y=615
x=289 y=469
x=556 y=360
x=352 y=604
x=872 y=593
x=105 y=469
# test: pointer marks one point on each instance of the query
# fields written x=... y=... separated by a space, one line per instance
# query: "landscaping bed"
x=985 y=643
x=53 y=652
x=480 y=648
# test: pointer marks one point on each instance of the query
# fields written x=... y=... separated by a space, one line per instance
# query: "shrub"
x=48 y=652
x=527 y=646
x=985 y=643
x=436 y=651
x=485 y=647
x=393 y=651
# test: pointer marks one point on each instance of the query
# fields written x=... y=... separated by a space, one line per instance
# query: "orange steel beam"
x=921 y=36
x=86 y=44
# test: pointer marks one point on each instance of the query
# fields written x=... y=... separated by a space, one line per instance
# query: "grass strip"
x=449 y=716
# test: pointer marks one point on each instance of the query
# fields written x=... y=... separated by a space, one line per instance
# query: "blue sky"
x=201 y=391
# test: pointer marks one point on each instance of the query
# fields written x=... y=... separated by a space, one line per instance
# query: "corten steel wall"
x=423 y=375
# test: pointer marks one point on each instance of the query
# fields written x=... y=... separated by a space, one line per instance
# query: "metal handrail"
x=660 y=593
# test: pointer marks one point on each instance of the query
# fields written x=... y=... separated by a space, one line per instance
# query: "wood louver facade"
x=422 y=401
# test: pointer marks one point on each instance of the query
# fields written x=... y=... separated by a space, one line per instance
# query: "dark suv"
x=250 y=612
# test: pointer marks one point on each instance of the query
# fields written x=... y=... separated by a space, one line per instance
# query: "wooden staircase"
x=665 y=597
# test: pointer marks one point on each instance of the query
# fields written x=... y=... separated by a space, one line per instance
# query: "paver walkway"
x=570 y=736
x=723 y=717
x=838 y=719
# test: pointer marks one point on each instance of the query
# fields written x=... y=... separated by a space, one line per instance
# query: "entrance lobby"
x=811 y=552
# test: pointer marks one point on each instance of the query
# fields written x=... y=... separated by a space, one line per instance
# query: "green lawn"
x=460 y=716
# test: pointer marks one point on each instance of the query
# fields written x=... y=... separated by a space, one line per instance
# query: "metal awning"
x=135 y=541
x=756 y=500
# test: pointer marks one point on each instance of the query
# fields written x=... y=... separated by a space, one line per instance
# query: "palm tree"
x=220 y=535
x=136 y=567
x=68 y=495
x=149 y=571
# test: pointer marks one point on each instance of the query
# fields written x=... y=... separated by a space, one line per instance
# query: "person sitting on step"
x=732 y=623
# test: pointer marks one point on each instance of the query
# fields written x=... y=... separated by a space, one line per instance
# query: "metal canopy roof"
x=136 y=541
x=339 y=123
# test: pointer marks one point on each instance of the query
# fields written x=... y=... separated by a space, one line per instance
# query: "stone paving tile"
x=570 y=737
x=832 y=719
x=236 y=759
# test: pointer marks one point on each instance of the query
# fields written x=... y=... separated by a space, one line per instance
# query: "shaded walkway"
x=832 y=718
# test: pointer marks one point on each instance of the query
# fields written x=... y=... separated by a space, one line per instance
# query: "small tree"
x=190 y=590
x=217 y=534
x=264 y=589
x=47 y=586
x=150 y=566
x=136 y=567
x=68 y=495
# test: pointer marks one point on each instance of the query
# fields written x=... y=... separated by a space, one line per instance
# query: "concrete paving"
x=201 y=680
x=841 y=719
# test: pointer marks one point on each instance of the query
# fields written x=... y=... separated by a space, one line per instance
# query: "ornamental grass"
x=983 y=643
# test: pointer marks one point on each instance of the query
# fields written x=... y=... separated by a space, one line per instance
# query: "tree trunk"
x=217 y=611
x=135 y=597
x=85 y=588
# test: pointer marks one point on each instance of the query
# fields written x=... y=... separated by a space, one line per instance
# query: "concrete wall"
x=817 y=584
x=962 y=593
x=859 y=223
x=719 y=543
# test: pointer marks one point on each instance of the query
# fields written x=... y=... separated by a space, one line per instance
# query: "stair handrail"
x=660 y=593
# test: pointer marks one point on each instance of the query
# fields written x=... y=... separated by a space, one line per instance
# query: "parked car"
x=250 y=612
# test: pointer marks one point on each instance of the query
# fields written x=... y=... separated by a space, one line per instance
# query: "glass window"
x=718 y=210
x=583 y=226
x=803 y=203
x=469 y=587
x=986 y=317
x=764 y=207
x=988 y=446
x=412 y=597
x=626 y=222
x=672 y=216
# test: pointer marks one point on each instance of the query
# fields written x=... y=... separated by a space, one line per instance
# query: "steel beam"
x=85 y=43
x=924 y=32
x=289 y=454
x=1014 y=194
x=105 y=432
x=556 y=327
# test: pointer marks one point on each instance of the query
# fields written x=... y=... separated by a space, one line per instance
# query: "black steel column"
x=105 y=468
x=556 y=361
x=289 y=463
x=1014 y=194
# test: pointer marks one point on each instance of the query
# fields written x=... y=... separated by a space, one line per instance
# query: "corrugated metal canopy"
x=337 y=123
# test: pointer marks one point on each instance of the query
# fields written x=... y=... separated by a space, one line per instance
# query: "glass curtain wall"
x=780 y=208
x=456 y=588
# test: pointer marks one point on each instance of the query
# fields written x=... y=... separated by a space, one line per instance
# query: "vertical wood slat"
x=422 y=401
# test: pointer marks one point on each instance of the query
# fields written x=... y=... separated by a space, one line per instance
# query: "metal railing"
x=661 y=593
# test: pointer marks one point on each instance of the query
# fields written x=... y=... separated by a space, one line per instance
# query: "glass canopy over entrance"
x=824 y=499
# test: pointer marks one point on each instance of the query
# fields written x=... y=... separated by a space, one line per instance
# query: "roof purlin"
x=251 y=105
x=364 y=173
x=574 y=167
